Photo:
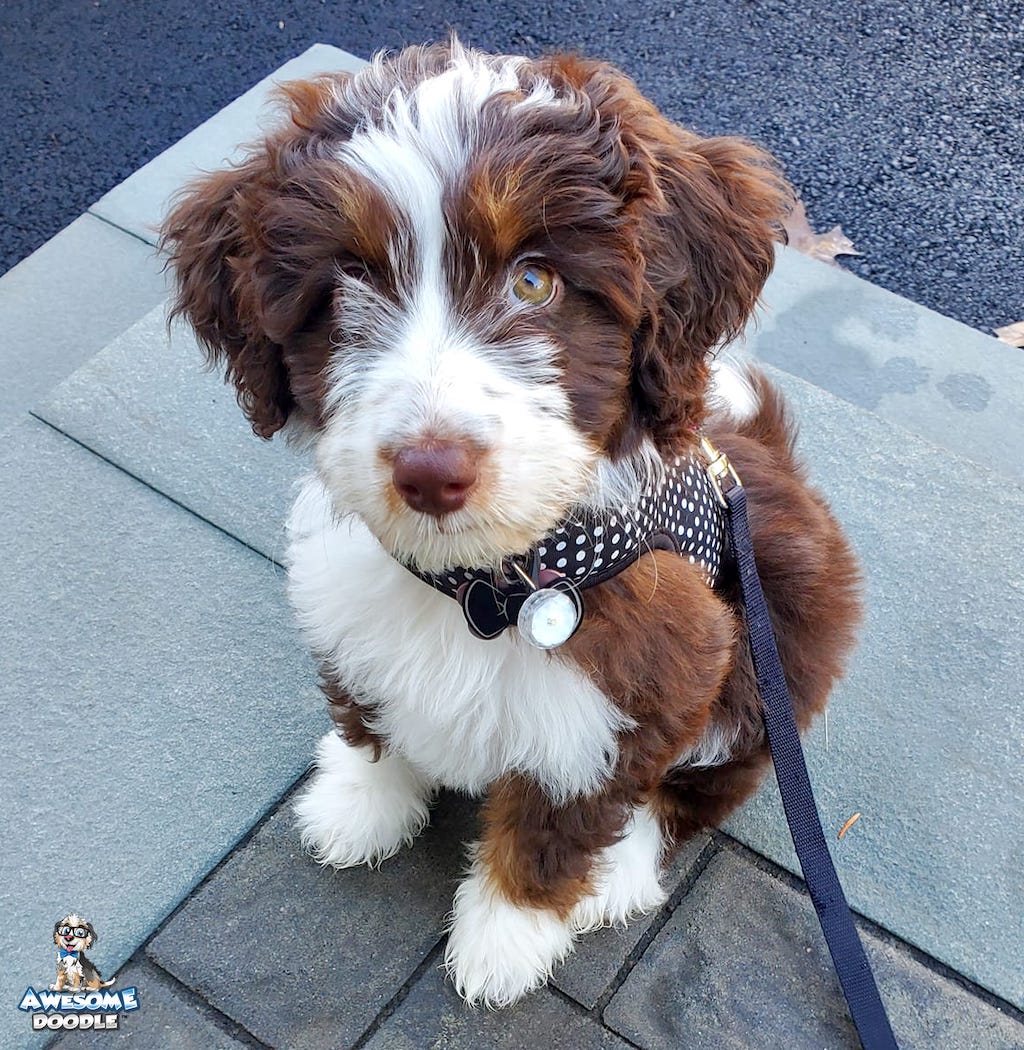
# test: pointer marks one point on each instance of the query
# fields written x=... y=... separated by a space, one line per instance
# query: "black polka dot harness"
x=540 y=591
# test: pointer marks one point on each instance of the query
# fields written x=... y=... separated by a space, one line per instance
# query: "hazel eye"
x=534 y=284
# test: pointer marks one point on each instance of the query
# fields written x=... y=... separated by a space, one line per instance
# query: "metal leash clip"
x=719 y=470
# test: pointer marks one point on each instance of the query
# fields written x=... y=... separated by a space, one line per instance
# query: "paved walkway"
x=158 y=708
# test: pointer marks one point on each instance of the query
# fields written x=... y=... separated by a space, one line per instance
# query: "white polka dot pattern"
x=683 y=510
x=681 y=513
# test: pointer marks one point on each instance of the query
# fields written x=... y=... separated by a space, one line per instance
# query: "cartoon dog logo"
x=73 y=935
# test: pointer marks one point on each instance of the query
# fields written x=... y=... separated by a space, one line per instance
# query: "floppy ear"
x=56 y=927
x=210 y=244
x=92 y=935
x=709 y=249
x=707 y=213
x=252 y=255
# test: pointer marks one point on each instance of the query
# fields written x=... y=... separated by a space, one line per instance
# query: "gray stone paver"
x=924 y=735
x=168 y=1018
x=600 y=954
x=304 y=956
x=138 y=204
x=65 y=302
x=147 y=404
x=958 y=388
x=742 y=964
x=432 y=1015
x=154 y=701
x=287 y=918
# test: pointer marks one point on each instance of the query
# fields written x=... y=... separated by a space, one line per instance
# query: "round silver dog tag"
x=548 y=618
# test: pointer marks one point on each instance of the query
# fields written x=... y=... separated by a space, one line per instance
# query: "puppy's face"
x=73 y=934
x=480 y=282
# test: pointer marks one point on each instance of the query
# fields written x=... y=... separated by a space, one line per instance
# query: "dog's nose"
x=435 y=478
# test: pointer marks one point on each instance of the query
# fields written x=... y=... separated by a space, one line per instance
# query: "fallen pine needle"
x=849 y=824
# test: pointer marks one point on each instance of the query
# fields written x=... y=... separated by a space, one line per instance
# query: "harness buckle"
x=721 y=473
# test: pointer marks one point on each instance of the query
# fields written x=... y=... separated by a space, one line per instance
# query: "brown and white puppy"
x=73 y=935
x=489 y=290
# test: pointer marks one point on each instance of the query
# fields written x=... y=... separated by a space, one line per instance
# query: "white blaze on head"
x=426 y=373
x=424 y=140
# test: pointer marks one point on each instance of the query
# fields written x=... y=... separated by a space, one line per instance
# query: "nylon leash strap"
x=823 y=886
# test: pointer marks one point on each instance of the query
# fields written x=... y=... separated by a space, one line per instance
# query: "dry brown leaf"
x=823 y=246
x=1011 y=333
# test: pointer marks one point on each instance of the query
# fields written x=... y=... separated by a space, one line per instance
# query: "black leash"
x=851 y=964
x=542 y=601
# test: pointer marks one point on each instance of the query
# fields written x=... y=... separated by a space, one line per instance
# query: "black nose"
x=435 y=478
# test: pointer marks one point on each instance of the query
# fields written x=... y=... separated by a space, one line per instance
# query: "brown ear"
x=707 y=213
x=709 y=250
x=252 y=259
x=211 y=249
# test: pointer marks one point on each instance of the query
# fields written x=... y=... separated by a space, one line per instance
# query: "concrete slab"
x=153 y=697
x=742 y=963
x=433 y=1015
x=139 y=203
x=168 y=1018
x=304 y=956
x=65 y=302
x=924 y=735
x=599 y=956
x=146 y=404
x=954 y=386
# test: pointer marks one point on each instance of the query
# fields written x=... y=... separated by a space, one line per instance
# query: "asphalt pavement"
x=902 y=122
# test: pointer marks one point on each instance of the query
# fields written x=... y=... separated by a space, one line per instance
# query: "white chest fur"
x=462 y=710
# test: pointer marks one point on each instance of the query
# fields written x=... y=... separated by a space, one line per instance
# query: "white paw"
x=356 y=811
x=497 y=952
x=625 y=878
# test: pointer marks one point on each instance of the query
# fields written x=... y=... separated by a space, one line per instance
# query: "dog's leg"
x=690 y=800
x=518 y=909
x=626 y=876
x=357 y=810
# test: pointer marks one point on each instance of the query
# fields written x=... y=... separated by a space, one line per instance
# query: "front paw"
x=498 y=951
x=624 y=877
x=357 y=811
